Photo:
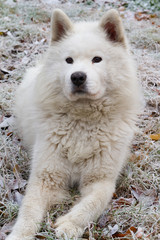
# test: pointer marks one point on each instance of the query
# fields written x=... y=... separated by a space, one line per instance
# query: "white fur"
x=76 y=137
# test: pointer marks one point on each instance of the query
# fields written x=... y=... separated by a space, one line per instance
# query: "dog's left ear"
x=60 y=25
x=111 y=23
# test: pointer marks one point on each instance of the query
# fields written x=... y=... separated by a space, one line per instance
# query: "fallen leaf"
x=147 y=197
x=113 y=229
x=18 y=197
x=16 y=169
x=7 y=228
x=7 y=122
x=131 y=229
x=18 y=184
x=103 y=220
x=155 y=137
x=126 y=235
x=153 y=15
x=136 y=192
x=120 y=202
x=40 y=236
x=139 y=232
x=3 y=33
x=115 y=196
x=139 y=16
x=10 y=134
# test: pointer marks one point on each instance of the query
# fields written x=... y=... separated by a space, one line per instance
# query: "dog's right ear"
x=60 y=25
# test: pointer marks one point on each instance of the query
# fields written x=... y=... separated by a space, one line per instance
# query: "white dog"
x=76 y=111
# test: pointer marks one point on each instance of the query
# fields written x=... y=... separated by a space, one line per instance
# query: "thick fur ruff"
x=76 y=111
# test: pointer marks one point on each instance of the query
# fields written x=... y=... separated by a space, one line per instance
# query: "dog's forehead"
x=86 y=26
x=87 y=30
x=86 y=38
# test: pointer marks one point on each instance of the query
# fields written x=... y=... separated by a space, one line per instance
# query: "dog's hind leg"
x=95 y=198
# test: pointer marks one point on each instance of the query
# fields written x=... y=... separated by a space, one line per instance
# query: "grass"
x=24 y=34
x=150 y=5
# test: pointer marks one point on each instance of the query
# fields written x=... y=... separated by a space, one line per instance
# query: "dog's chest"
x=77 y=141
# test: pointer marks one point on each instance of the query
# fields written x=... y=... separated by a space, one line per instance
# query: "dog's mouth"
x=79 y=90
x=83 y=94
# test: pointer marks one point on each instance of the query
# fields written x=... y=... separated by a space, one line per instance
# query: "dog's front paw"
x=66 y=229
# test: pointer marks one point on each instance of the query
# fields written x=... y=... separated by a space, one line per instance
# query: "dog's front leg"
x=34 y=206
x=45 y=188
x=31 y=212
x=95 y=198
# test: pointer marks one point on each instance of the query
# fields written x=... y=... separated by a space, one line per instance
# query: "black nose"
x=78 y=78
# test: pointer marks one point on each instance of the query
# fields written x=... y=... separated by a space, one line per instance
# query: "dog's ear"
x=112 y=25
x=60 y=25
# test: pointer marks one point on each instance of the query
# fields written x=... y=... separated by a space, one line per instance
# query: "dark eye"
x=96 y=59
x=69 y=60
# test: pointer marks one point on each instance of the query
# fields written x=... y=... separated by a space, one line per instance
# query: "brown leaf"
x=16 y=169
x=153 y=15
x=144 y=16
x=86 y=234
x=136 y=192
x=155 y=137
x=10 y=134
x=39 y=236
x=141 y=16
x=3 y=33
x=126 y=235
x=131 y=229
x=120 y=202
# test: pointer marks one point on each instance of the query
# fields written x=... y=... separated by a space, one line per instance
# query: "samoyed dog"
x=76 y=111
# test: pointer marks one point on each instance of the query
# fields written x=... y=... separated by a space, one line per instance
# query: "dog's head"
x=87 y=55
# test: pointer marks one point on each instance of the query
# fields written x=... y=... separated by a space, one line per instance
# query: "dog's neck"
x=83 y=110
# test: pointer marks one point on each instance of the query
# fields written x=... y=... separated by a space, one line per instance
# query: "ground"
x=24 y=33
